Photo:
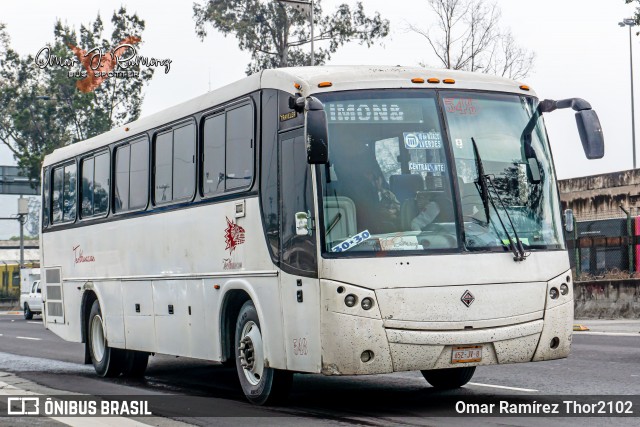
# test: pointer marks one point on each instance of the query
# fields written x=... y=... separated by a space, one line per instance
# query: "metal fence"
x=605 y=248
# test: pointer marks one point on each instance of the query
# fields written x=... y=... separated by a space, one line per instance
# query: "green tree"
x=42 y=109
x=275 y=34
x=637 y=14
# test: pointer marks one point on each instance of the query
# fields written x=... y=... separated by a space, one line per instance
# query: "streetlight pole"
x=304 y=7
x=630 y=22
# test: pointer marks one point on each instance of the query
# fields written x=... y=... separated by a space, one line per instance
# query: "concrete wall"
x=601 y=195
x=607 y=299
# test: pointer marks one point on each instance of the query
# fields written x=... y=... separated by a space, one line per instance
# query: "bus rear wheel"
x=107 y=361
x=446 y=379
x=261 y=385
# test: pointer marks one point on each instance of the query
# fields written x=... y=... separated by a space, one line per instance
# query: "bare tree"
x=467 y=37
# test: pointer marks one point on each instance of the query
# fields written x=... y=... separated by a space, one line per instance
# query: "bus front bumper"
x=359 y=343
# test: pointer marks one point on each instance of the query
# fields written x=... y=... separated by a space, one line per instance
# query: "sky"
x=580 y=52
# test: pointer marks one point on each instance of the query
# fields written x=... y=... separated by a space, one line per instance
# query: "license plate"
x=466 y=354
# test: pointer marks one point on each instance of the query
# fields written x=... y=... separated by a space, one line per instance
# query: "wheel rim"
x=98 y=344
x=251 y=353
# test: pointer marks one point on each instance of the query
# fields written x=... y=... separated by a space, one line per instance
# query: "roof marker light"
x=448 y=81
x=434 y=80
x=325 y=84
x=524 y=87
x=297 y=86
x=417 y=80
x=126 y=129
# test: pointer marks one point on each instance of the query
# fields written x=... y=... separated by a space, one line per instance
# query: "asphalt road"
x=34 y=359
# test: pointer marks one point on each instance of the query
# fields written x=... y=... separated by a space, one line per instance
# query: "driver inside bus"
x=360 y=178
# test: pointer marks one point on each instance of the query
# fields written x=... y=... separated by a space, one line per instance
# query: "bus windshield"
x=403 y=174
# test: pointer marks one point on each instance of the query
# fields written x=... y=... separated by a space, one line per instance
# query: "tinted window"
x=163 y=163
x=86 y=192
x=121 y=199
x=296 y=195
x=239 y=147
x=69 y=193
x=101 y=184
x=139 y=192
x=58 y=175
x=184 y=156
x=47 y=198
x=213 y=168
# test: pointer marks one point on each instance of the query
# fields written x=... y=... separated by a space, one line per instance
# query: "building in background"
x=606 y=207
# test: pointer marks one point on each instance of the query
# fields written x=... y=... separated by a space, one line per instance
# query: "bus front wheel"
x=449 y=378
x=107 y=361
x=261 y=385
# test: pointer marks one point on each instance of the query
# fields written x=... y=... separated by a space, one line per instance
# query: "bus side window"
x=163 y=165
x=239 y=162
x=121 y=187
x=46 y=195
x=184 y=152
x=69 y=193
x=58 y=174
x=139 y=174
x=213 y=173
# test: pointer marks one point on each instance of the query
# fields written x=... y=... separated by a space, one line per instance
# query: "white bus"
x=334 y=220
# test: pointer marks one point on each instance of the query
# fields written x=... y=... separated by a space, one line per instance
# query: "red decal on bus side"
x=233 y=235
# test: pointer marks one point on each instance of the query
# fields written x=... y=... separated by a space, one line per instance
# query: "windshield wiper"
x=483 y=181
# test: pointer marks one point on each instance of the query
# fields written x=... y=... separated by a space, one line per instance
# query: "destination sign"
x=421 y=140
x=375 y=111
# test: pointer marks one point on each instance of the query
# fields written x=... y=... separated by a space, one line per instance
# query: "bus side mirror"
x=316 y=132
x=590 y=134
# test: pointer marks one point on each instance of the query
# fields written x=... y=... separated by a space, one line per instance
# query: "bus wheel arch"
x=232 y=302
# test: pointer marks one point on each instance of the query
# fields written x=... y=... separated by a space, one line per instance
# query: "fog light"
x=350 y=300
x=555 y=342
x=553 y=293
x=366 y=356
x=367 y=303
x=564 y=289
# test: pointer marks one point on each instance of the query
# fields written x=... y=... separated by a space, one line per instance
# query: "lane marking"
x=530 y=390
x=613 y=334
x=29 y=338
x=36 y=323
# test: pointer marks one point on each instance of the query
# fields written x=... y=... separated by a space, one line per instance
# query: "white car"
x=32 y=302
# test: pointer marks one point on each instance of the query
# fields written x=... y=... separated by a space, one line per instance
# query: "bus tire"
x=28 y=314
x=446 y=379
x=135 y=363
x=261 y=385
x=107 y=361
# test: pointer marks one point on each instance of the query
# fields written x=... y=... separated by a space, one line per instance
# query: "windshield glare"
x=390 y=183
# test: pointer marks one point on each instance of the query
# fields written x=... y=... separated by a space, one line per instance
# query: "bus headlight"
x=366 y=303
x=553 y=293
x=350 y=300
x=564 y=289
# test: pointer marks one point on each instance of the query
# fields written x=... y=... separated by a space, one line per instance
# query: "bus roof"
x=292 y=80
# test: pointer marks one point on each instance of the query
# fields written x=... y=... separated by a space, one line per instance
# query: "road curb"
x=580 y=328
x=11 y=312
